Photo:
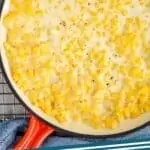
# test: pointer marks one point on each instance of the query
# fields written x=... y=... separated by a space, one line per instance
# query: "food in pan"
x=82 y=60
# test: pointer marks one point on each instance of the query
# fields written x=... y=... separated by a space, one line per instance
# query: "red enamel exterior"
x=35 y=134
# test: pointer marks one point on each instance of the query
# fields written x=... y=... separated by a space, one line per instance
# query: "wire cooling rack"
x=10 y=107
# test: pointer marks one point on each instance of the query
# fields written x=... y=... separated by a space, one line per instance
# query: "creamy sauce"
x=55 y=37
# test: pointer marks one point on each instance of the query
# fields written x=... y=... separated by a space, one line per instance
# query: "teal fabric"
x=131 y=144
x=10 y=129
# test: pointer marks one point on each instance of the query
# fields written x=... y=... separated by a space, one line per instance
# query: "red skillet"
x=35 y=134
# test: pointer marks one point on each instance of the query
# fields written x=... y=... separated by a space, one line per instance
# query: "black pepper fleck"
x=63 y=23
x=115 y=55
x=85 y=23
x=111 y=78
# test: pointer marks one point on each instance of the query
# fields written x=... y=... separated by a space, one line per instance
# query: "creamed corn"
x=82 y=60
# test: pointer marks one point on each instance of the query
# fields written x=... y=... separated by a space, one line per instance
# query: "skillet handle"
x=35 y=134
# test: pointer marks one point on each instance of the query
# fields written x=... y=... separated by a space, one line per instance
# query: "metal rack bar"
x=10 y=107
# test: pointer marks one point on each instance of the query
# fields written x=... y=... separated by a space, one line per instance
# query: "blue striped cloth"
x=10 y=129
x=108 y=145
